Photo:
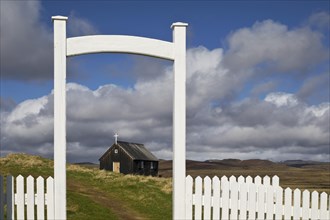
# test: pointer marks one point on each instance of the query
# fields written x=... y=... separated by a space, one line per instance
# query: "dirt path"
x=115 y=205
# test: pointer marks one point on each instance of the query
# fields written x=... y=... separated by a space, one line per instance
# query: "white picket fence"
x=241 y=198
x=21 y=204
x=244 y=199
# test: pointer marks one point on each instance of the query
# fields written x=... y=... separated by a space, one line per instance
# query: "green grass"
x=96 y=194
x=83 y=208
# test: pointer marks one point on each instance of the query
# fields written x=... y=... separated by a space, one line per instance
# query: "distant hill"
x=301 y=163
x=214 y=163
x=239 y=163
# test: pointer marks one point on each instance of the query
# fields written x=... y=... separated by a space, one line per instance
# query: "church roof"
x=135 y=150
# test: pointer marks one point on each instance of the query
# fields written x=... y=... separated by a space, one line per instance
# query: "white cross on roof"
x=116 y=137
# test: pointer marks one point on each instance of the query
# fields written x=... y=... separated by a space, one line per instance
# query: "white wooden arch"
x=175 y=51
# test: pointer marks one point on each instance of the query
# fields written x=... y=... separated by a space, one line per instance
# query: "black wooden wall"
x=117 y=154
x=127 y=164
x=146 y=168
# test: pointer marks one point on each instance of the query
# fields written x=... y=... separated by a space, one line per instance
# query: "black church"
x=129 y=158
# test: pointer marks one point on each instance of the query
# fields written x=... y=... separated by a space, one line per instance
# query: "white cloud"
x=218 y=125
x=315 y=88
x=320 y=20
x=27 y=108
x=319 y=110
x=276 y=47
x=282 y=99
x=247 y=129
x=78 y=26
x=26 y=43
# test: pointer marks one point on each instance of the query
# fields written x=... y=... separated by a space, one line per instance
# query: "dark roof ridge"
x=137 y=151
x=126 y=142
x=134 y=150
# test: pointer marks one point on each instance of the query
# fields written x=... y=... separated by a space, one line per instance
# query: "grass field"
x=95 y=194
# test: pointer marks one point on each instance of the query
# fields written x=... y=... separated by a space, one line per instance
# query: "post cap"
x=179 y=24
x=58 y=17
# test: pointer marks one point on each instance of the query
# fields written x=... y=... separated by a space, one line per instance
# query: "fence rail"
x=22 y=203
x=247 y=199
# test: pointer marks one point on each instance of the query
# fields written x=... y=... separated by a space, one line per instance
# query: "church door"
x=116 y=167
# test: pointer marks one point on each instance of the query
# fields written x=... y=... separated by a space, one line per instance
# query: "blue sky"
x=242 y=57
x=210 y=23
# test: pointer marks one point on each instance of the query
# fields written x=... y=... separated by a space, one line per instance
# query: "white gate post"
x=179 y=121
x=124 y=44
x=60 y=116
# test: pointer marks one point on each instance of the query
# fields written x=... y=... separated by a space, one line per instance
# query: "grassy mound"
x=99 y=194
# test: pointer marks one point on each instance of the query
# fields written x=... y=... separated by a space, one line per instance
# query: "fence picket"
x=224 y=178
x=266 y=181
x=40 y=198
x=305 y=204
x=234 y=200
x=257 y=181
x=30 y=197
x=279 y=202
x=252 y=201
x=189 y=193
x=323 y=206
x=20 y=201
x=269 y=202
x=261 y=202
x=216 y=197
x=315 y=205
x=275 y=184
x=248 y=179
x=287 y=203
x=243 y=200
x=240 y=179
x=275 y=181
x=207 y=198
x=225 y=198
x=296 y=204
x=50 y=198
x=198 y=198
x=232 y=179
